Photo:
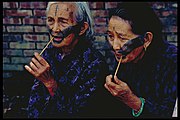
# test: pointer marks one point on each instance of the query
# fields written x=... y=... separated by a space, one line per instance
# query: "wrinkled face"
x=119 y=32
x=59 y=17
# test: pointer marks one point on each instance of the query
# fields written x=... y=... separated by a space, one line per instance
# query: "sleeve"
x=39 y=98
x=166 y=93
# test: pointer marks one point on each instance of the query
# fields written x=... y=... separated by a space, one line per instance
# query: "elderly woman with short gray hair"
x=69 y=72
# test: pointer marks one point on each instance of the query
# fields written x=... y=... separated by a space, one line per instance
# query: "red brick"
x=39 y=4
x=41 y=29
x=110 y=5
x=96 y=5
x=18 y=12
x=39 y=12
x=30 y=52
x=25 y=5
x=10 y=4
x=99 y=13
x=100 y=21
x=101 y=30
x=30 y=37
x=33 y=5
x=34 y=21
x=40 y=45
x=11 y=20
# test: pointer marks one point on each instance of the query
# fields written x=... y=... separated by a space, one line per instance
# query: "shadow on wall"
x=16 y=90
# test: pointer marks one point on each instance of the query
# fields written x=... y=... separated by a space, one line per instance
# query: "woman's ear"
x=148 y=39
x=84 y=28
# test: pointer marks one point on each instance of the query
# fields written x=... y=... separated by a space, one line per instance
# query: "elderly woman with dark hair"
x=70 y=72
x=146 y=82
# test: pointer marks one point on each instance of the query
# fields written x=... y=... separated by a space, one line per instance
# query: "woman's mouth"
x=118 y=56
x=57 y=40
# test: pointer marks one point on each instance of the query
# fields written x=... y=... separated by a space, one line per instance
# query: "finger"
x=108 y=79
x=105 y=85
x=33 y=67
x=112 y=86
x=120 y=82
x=29 y=70
x=109 y=76
x=40 y=59
x=112 y=91
x=38 y=65
x=117 y=81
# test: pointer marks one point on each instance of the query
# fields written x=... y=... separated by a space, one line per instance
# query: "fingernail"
x=25 y=66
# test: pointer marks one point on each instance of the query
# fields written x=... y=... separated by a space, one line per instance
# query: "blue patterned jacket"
x=80 y=77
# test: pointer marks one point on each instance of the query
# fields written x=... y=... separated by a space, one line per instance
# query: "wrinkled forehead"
x=61 y=8
x=118 y=24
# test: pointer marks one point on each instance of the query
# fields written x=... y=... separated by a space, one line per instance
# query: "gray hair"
x=82 y=15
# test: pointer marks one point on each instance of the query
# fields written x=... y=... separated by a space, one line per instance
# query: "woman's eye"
x=50 y=21
x=64 y=22
x=111 y=37
x=124 y=39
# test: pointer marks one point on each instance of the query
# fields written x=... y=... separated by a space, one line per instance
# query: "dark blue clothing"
x=154 y=78
x=80 y=77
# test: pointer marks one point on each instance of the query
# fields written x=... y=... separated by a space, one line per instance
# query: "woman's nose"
x=116 y=44
x=56 y=28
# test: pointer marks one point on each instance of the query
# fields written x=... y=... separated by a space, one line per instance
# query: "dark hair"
x=140 y=16
x=142 y=19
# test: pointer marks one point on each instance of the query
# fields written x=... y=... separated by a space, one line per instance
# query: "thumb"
x=117 y=81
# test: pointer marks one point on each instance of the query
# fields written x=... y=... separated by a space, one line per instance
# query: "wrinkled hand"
x=122 y=91
x=117 y=88
x=39 y=68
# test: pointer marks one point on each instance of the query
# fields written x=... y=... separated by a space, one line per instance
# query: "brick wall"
x=24 y=30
